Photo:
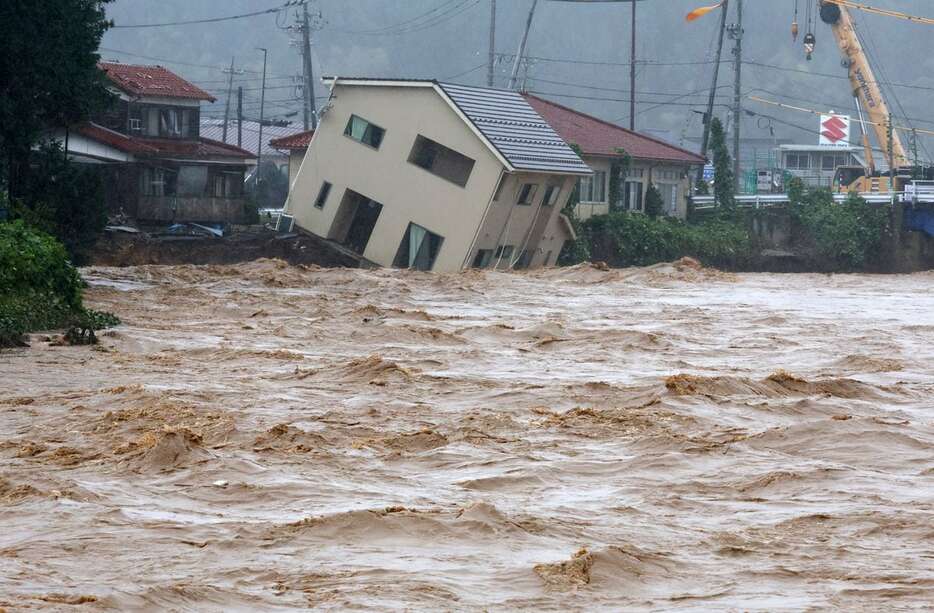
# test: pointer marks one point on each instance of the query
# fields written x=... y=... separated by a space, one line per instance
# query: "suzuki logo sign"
x=834 y=131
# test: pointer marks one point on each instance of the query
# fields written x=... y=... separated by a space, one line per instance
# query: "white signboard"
x=834 y=131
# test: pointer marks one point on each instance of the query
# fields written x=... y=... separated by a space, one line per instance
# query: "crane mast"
x=863 y=80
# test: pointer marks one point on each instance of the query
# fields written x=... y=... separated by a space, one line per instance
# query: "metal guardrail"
x=767 y=200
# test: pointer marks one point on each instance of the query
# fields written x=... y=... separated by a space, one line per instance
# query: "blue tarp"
x=922 y=221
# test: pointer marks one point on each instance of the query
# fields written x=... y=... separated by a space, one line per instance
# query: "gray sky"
x=581 y=51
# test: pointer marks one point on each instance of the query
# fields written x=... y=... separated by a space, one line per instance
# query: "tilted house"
x=434 y=176
x=148 y=145
x=602 y=144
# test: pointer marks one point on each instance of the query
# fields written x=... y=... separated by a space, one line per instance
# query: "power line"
x=828 y=75
x=606 y=99
x=283 y=7
x=429 y=19
x=180 y=63
x=625 y=91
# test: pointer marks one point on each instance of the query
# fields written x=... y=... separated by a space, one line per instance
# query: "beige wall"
x=536 y=226
x=644 y=171
x=408 y=193
x=295 y=162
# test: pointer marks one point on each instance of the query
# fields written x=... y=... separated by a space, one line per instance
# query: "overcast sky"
x=581 y=52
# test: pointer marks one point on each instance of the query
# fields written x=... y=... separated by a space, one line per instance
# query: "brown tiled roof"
x=152 y=81
x=202 y=148
x=112 y=138
x=293 y=141
x=161 y=147
x=598 y=137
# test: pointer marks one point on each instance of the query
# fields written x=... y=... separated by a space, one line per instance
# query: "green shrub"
x=634 y=239
x=39 y=288
x=33 y=264
x=845 y=236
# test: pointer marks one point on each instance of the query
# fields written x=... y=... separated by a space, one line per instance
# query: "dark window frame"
x=552 y=193
x=370 y=129
x=323 y=192
x=426 y=153
x=431 y=241
x=526 y=196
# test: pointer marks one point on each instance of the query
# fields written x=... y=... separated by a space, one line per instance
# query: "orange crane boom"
x=863 y=80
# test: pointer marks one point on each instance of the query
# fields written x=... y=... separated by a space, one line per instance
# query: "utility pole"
x=492 y=60
x=632 y=72
x=262 y=108
x=309 y=89
x=231 y=71
x=736 y=32
x=240 y=116
x=227 y=102
x=521 y=53
x=705 y=141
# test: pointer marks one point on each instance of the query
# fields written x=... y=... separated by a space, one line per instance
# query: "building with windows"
x=816 y=165
x=157 y=166
x=434 y=176
x=603 y=145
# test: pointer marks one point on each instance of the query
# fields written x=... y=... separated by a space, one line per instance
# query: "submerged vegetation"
x=40 y=289
x=634 y=239
x=825 y=236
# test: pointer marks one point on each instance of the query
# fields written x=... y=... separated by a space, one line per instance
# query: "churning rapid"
x=266 y=437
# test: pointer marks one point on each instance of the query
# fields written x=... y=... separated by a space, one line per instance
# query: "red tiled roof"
x=597 y=137
x=202 y=148
x=293 y=141
x=114 y=139
x=152 y=81
x=159 y=147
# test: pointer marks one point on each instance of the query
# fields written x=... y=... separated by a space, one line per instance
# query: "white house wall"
x=532 y=227
x=407 y=192
x=642 y=171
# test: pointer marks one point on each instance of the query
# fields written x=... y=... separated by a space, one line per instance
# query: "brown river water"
x=264 y=437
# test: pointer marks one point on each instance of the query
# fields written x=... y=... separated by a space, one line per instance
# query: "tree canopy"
x=722 y=166
x=48 y=72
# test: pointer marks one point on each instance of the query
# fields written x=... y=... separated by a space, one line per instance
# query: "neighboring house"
x=600 y=144
x=433 y=176
x=249 y=138
x=816 y=165
x=295 y=145
x=158 y=167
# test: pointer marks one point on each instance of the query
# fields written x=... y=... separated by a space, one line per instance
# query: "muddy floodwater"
x=264 y=437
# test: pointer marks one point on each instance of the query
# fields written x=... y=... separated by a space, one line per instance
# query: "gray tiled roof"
x=516 y=130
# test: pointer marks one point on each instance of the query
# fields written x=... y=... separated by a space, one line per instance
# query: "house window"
x=551 y=195
x=633 y=196
x=157 y=182
x=527 y=194
x=830 y=161
x=524 y=260
x=322 y=195
x=170 y=122
x=504 y=252
x=441 y=161
x=227 y=184
x=797 y=161
x=363 y=131
x=669 y=192
x=192 y=180
x=593 y=188
x=418 y=248
x=482 y=260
